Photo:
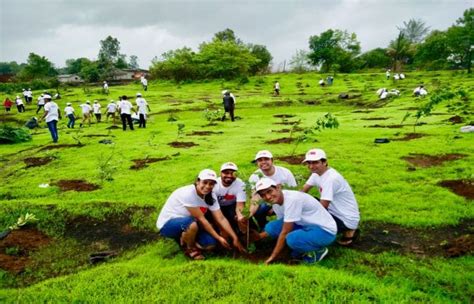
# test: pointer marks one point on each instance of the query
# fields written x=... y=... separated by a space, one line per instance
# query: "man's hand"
x=269 y=260
x=224 y=242
x=238 y=246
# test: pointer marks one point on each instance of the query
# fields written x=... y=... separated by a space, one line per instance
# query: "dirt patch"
x=205 y=133
x=284 y=140
x=62 y=146
x=461 y=246
x=277 y=104
x=143 y=163
x=423 y=160
x=410 y=109
x=386 y=126
x=75 y=185
x=182 y=144
x=292 y=159
x=409 y=136
x=113 y=128
x=312 y=102
x=16 y=247
x=37 y=161
x=286 y=123
x=374 y=118
x=456 y=119
x=462 y=187
x=99 y=135
x=283 y=116
x=362 y=111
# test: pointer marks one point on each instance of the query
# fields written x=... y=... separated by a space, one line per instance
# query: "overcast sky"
x=62 y=29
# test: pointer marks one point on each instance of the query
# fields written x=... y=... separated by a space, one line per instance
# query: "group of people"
x=396 y=76
x=210 y=212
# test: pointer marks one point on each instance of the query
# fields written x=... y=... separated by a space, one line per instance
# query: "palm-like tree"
x=400 y=50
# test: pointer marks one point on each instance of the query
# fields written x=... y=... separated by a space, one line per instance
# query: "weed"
x=180 y=130
x=106 y=167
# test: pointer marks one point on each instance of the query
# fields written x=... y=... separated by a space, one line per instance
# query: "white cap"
x=263 y=153
x=225 y=91
x=229 y=166
x=88 y=101
x=207 y=174
x=139 y=94
x=95 y=101
x=314 y=155
x=264 y=183
x=46 y=96
x=68 y=103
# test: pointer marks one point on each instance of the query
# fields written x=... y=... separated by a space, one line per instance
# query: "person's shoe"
x=314 y=257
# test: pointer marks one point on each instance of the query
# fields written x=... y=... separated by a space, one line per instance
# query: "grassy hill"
x=415 y=194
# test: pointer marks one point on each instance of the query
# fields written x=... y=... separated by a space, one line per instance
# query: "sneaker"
x=313 y=257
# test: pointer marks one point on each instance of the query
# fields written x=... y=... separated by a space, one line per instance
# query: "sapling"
x=180 y=131
x=212 y=116
x=22 y=221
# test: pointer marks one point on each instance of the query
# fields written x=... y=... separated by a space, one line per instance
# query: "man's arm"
x=325 y=203
x=287 y=228
x=197 y=213
x=224 y=224
x=306 y=188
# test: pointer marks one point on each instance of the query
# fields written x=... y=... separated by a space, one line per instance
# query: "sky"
x=64 y=29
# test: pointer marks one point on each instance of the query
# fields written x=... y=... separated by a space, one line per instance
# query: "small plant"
x=172 y=117
x=77 y=136
x=211 y=115
x=12 y=251
x=326 y=122
x=12 y=135
x=180 y=131
x=106 y=167
x=23 y=220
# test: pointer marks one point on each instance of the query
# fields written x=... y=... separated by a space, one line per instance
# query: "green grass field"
x=401 y=203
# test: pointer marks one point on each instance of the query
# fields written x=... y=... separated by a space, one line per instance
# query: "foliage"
x=264 y=58
x=461 y=40
x=433 y=53
x=414 y=30
x=11 y=67
x=334 y=50
x=133 y=62
x=12 y=135
x=299 y=62
x=110 y=57
x=106 y=167
x=23 y=220
x=376 y=58
x=172 y=117
x=75 y=66
x=211 y=115
x=400 y=51
x=37 y=67
x=328 y=121
x=177 y=64
x=180 y=130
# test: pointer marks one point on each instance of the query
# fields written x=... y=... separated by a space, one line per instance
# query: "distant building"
x=128 y=74
x=70 y=78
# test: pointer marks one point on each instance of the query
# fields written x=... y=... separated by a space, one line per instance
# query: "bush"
x=12 y=135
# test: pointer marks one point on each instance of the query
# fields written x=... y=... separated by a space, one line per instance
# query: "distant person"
x=25 y=95
x=394 y=92
x=29 y=96
x=302 y=223
x=387 y=74
x=7 y=103
x=229 y=106
x=105 y=87
x=126 y=109
x=384 y=94
x=183 y=219
x=276 y=88
x=40 y=103
x=144 y=83
x=420 y=91
x=51 y=116
x=336 y=195
x=402 y=76
x=19 y=104
x=396 y=77
x=32 y=123
x=86 y=113
x=142 y=108
x=96 y=109
x=330 y=80
x=111 y=110
x=69 y=112
x=322 y=83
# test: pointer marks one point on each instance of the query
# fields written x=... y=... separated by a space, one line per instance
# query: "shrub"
x=12 y=135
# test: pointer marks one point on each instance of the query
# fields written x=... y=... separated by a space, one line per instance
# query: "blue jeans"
x=175 y=227
x=71 y=121
x=303 y=238
x=53 y=129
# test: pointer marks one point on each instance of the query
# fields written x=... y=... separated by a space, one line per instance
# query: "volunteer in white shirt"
x=336 y=195
x=142 y=107
x=111 y=110
x=86 y=113
x=182 y=218
x=302 y=223
x=19 y=104
x=96 y=109
x=126 y=109
x=40 y=103
x=51 y=116
x=69 y=111
x=144 y=83
x=276 y=88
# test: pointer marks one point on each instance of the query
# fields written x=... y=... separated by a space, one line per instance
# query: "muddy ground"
x=143 y=163
x=61 y=146
x=424 y=160
x=182 y=144
x=75 y=185
x=409 y=136
x=37 y=161
x=462 y=187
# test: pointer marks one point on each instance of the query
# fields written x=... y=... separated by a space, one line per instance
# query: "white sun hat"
x=314 y=155
x=264 y=183
x=207 y=174
x=263 y=153
x=229 y=166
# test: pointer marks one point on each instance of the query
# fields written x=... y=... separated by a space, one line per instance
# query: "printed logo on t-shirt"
x=227 y=199
x=203 y=210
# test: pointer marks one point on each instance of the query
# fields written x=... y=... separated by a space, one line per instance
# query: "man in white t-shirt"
x=420 y=91
x=336 y=195
x=230 y=192
x=111 y=110
x=126 y=109
x=387 y=74
x=86 y=113
x=40 y=103
x=96 y=109
x=69 y=111
x=51 y=116
x=183 y=219
x=19 y=104
x=144 y=83
x=281 y=176
x=106 y=87
x=302 y=223
x=29 y=96
x=276 y=88
x=142 y=107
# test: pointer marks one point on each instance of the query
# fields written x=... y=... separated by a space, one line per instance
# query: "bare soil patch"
x=456 y=119
x=424 y=160
x=362 y=111
x=20 y=243
x=143 y=163
x=283 y=116
x=98 y=135
x=62 y=146
x=277 y=104
x=37 y=161
x=374 y=118
x=205 y=133
x=286 y=123
x=284 y=140
x=75 y=185
x=312 y=102
x=409 y=136
x=387 y=126
x=292 y=159
x=113 y=128
x=462 y=187
x=182 y=144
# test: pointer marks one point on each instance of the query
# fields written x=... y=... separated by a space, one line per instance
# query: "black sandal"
x=349 y=241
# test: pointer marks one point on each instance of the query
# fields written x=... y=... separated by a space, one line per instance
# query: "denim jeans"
x=53 y=129
x=175 y=227
x=71 y=121
x=303 y=238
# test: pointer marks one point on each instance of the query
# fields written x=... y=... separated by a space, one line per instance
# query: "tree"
x=376 y=58
x=414 y=30
x=37 y=67
x=460 y=39
x=400 y=50
x=299 y=63
x=433 y=53
x=90 y=71
x=10 y=67
x=227 y=35
x=334 y=49
x=74 y=66
x=133 y=64
x=110 y=57
x=177 y=64
x=264 y=58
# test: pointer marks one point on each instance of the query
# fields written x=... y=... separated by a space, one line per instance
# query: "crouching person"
x=302 y=223
x=183 y=218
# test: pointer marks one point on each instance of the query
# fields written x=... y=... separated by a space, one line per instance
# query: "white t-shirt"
x=380 y=91
x=40 y=101
x=416 y=90
x=141 y=105
x=29 y=93
x=423 y=92
x=96 y=108
x=86 y=108
x=111 y=107
x=384 y=95
x=69 y=110
x=144 y=81
x=277 y=86
x=53 y=111
x=228 y=196
x=334 y=188
x=18 y=101
x=175 y=206
x=304 y=210
x=106 y=86
x=125 y=107
x=282 y=176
